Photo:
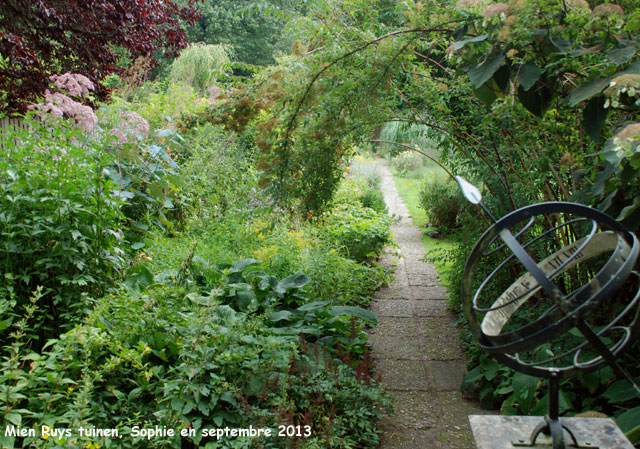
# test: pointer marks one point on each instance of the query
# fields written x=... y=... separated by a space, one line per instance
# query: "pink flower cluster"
x=59 y=105
x=74 y=83
x=131 y=126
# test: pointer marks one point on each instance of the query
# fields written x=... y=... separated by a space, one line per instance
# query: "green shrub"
x=59 y=222
x=374 y=199
x=359 y=232
x=408 y=163
x=443 y=203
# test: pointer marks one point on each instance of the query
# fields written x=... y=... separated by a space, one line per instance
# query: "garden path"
x=415 y=346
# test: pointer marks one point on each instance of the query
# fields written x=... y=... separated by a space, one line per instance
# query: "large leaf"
x=633 y=69
x=294 y=281
x=620 y=391
x=366 y=315
x=624 y=213
x=524 y=389
x=528 y=75
x=458 y=45
x=486 y=93
x=621 y=55
x=280 y=315
x=502 y=78
x=535 y=100
x=561 y=44
x=138 y=278
x=312 y=306
x=241 y=265
x=588 y=89
x=594 y=116
x=484 y=71
x=460 y=32
x=629 y=419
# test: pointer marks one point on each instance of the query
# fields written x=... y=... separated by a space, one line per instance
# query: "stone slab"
x=393 y=307
x=408 y=375
x=400 y=348
x=428 y=291
x=431 y=308
x=498 y=432
x=446 y=375
x=390 y=327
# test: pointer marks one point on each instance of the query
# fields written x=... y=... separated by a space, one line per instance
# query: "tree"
x=254 y=34
x=40 y=38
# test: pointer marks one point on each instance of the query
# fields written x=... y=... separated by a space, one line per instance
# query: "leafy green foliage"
x=359 y=232
x=443 y=203
x=199 y=66
x=60 y=223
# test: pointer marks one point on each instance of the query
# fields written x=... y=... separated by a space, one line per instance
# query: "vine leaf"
x=529 y=74
x=481 y=73
x=594 y=116
x=588 y=89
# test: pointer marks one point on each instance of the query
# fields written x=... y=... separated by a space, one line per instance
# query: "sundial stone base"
x=501 y=432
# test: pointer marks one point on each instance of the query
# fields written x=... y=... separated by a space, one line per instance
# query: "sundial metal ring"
x=584 y=258
x=551 y=290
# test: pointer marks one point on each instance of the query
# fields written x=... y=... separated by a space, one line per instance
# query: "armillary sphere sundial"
x=551 y=290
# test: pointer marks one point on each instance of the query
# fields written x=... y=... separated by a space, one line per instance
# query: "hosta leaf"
x=364 y=314
x=280 y=315
x=241 y=265
x=294 y=281
x=620 y=391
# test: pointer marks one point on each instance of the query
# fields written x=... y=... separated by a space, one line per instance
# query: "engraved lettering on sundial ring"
x=496 y=319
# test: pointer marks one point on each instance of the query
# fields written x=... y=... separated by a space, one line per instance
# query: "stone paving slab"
x=396 y=327
x=436 y=292
x=403 y=348
x=393 y=307
x=430 y=307
x=408 y=375
x=446 y=375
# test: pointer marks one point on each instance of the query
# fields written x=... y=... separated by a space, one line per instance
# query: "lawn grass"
x=409 y=189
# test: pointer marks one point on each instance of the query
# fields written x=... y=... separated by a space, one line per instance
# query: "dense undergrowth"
x=149 y=281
